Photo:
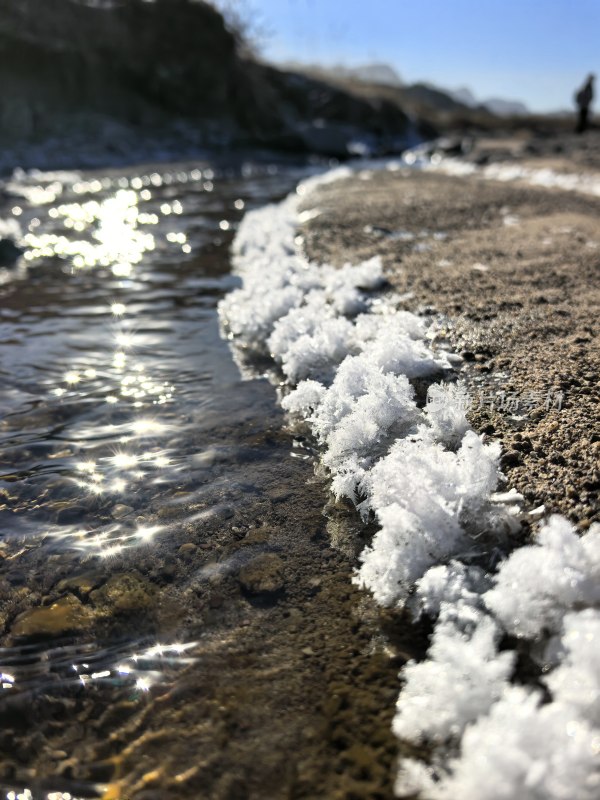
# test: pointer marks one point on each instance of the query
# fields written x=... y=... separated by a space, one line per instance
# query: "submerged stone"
x=188 y=550
x=82 y=584
x=121 y=510
x=258 y=535
x=65 y=616
x=123 y=593
x=263 y=575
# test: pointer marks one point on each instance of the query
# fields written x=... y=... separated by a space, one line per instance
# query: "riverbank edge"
x=245 y=258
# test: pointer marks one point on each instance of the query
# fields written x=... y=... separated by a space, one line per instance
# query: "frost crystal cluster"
x=351 y=362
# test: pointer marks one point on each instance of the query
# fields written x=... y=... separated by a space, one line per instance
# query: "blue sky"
x=537 y=51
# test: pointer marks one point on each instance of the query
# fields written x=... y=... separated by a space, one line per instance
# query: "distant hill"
x=464 y=95
x=433 y=97
x=437 y=98
x=497 y=105
x=418 y=98
x=506 y=108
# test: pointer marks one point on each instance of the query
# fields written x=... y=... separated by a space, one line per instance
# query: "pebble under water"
x=176 y=611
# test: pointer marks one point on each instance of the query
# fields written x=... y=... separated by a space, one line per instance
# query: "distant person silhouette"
x=584 y=98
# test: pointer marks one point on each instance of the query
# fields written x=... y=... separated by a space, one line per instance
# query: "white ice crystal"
x=446 y=409
x=584 y=183
x=402 y=355
x=358 y=390
x=461 y=480
x=315 y=336
x=426 y=500
x=393 y=323
x=539 y=583
x=252 y=314
x=274 y=277
x=267 y=233
x=349 y=476
x=451 y=583
x=386 y=408
x=576 y=681
x=342 y=286
x=516 y=746
x=525 y=750
x=315 y=355
x=301 y=321
x=307 y=396
x=356 y=418
x=459 y=681
x=414 y=778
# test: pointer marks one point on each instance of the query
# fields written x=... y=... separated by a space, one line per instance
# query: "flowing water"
x=166 y=570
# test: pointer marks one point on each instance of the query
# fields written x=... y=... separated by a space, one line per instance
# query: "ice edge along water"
x=582 y=182
x=351 y=361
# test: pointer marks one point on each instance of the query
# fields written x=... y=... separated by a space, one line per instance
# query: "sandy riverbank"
x=356 y=368
x=511 y=271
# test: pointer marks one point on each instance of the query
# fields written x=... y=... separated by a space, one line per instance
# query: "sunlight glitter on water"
x=116 y=238
x=124 y=450
x=26 y=794
x=125 y=371
x=104 y=543
x=140 y=666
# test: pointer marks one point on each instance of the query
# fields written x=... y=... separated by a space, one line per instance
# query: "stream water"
x=168 y=589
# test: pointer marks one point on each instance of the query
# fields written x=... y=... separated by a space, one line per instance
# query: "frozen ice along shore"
x=582 y=183
x=351 y=361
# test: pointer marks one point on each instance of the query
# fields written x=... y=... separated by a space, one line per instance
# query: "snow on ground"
x=350 y=359
x=584 y=183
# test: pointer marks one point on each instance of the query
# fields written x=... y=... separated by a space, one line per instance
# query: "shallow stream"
x=175 y=619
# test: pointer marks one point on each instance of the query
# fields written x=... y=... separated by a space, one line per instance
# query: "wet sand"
x=511 y=275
